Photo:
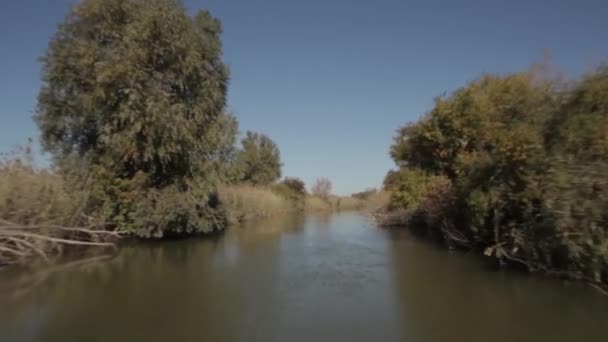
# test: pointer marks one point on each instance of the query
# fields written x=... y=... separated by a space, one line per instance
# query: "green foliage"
x=259 y=161
x=132 y=102
x=579 y=129
x=515 y=165
x=296 y=185
x=391 y=180
x=292 y=190
x=491 y=115
x=410 y=188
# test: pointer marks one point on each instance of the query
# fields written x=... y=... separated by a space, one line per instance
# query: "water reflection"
x=452 y=296
x=319 y=278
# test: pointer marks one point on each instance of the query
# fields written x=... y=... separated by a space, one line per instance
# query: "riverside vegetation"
x=133 y=113
x=514 y=166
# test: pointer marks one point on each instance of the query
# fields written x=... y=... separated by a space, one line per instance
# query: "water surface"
x=327 y=278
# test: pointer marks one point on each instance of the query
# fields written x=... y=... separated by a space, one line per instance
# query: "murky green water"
x=335 y=278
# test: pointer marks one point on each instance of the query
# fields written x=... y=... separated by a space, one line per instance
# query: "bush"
x=292 y=190
x=296 y=185
x=516 y=166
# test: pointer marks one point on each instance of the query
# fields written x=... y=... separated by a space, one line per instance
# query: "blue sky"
x=331 y=80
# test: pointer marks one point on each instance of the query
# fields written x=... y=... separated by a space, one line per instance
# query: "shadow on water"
x=178 y=290
x=452 y=296
x=314 y=278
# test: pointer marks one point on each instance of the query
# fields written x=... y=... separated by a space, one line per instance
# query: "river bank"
x=41 y=218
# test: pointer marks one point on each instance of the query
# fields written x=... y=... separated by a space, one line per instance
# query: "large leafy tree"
x=259 y=161
x=486 y=138
x=133 y=97
x=523 y=163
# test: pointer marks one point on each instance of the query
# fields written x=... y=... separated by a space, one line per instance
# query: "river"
x=315 y=278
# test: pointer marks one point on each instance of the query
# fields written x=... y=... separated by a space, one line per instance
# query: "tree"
x=259 y=161
x=514 y=165
x=293 y=190
x=133 y=99
x=391 y=180
x=322 y=188
x=296 y=185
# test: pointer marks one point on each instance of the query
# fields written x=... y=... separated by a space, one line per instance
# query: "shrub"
x=296 y=185
x=514 y=165
x=292 y=190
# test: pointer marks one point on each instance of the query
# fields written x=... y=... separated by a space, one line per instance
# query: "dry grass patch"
x=38 y=217
x=246 y=202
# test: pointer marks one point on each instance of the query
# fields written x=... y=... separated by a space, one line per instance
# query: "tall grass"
x=349 y=204
x=317 y=204
x=38 y=217
x=246 y=202
x=29 y=196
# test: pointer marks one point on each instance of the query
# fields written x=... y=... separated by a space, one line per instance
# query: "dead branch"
x=12 y=251
x=30 y=245
x=53 y=239
x=4 y=224
x=19 y=242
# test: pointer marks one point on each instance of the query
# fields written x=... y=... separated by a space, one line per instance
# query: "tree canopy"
x=522 y=162
x=259 y=160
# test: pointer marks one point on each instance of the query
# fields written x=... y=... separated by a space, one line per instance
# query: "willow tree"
x=133 y=100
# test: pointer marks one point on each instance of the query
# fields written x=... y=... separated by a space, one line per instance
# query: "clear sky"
x=331 y=80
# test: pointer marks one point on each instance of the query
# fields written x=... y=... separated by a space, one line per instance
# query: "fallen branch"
x=12 y=251
x=20 y=242
x=88 y=230
x=52 y=239
x=30 y=245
